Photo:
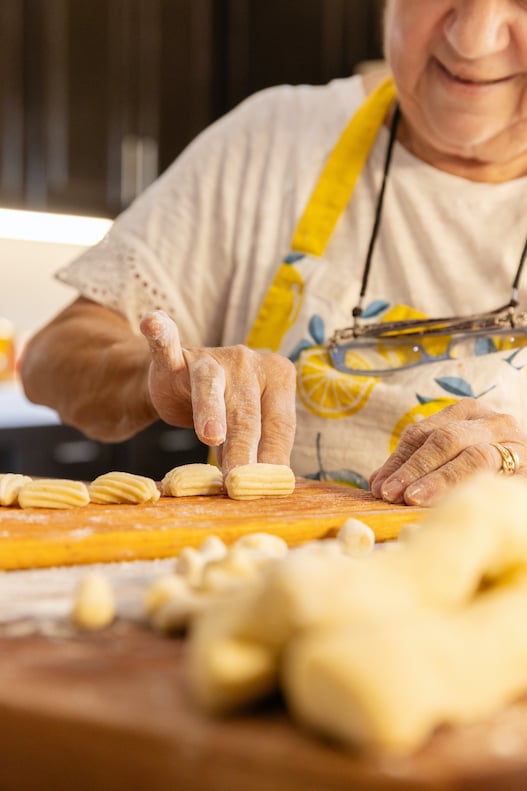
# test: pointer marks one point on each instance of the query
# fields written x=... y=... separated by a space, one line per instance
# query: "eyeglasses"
x=383 y=348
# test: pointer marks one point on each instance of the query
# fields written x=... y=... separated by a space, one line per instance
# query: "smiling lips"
x=468 y=80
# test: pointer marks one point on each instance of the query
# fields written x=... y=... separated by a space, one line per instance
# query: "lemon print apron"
x=347 y=425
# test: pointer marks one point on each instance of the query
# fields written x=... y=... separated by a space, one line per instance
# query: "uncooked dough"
x=192 y=479
x=53 y=493
x=252 y=481
x=123 y=487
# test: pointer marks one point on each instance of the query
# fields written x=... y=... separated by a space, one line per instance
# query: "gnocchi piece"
x=239 y=567
x=444 y=668
x=320 y=547
x=213 y=548
x=176 y=614
x=191 y=562
x=123 y=487
x=407 y=531
x=242 y=670
x=357 y=538
x=267 y=543
x=455 y=651
x=171 y=604
x=164 y=589
x=252 y=481
x=94 y=606
x=192 y=479
x=10 y=485
x=53 y=493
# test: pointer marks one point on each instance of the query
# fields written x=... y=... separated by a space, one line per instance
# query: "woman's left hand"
x=445 y=448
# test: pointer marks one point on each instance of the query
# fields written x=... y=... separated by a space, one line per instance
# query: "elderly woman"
x=314 y=235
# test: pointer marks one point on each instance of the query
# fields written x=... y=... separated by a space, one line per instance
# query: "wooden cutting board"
x=113 y=711
x=35 y=538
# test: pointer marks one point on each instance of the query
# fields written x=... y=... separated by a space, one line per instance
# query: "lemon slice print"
x=330 y=393
x=279 y=310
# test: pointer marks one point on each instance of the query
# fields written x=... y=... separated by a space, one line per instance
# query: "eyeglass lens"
x=368 y=356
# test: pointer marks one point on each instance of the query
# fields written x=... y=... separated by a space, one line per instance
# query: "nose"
x=478 y=28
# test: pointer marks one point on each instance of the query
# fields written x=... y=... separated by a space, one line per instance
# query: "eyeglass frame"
x=361 y=335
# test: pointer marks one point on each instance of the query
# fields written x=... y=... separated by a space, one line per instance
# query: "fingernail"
x=413 y=494
x=392 y=491
x=376 y=486
x=214 y=432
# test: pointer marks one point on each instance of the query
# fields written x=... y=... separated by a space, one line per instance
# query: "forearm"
x=89 y=366
x=100 y=377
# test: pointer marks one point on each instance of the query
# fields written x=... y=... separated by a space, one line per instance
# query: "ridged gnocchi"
x=10 y=485
x=53 y=493
x=123 y=487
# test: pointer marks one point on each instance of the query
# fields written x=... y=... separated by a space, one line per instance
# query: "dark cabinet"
x=12 y=102
x=63 y=452
x=294 y=41
x=98 y=97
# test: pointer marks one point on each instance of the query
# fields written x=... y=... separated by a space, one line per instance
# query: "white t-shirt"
x=204 y=241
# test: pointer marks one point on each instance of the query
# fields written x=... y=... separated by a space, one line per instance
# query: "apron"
x=348 y=425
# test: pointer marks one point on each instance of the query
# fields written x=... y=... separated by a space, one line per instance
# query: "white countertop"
x=17 y=412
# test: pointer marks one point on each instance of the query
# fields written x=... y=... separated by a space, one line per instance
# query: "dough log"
x=251 y=481
x=192 y=479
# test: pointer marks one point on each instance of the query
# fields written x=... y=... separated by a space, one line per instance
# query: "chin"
x=461 y=134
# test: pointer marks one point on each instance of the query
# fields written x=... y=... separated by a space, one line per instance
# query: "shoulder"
x=295 y=104
x=293 y=123
x=276 y=130
x=291 y=108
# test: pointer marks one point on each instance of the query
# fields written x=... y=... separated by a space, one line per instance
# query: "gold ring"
x=509 y=459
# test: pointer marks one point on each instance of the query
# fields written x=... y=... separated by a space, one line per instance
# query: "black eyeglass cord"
x=516 y=284
x=358 y=309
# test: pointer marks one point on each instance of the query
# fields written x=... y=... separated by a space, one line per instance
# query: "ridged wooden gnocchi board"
x=33 y=538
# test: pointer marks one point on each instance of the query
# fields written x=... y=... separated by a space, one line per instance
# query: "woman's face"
x=461 y=71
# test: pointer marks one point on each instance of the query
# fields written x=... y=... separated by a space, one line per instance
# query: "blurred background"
x=97 y=97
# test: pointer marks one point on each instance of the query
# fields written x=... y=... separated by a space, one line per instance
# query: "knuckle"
x=241 y=357
x=230 y=356
x=202 y=364
x=279 y=368
x=509 y=424
x=443 y=440
x=413 y=436
x=477 y=456
x=472 y=458
x=464 y=409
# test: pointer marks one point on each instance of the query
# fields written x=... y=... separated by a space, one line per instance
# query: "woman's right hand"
x=240 y=400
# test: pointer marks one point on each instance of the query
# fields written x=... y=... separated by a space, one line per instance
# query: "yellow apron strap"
x=328 y=200
x=337 y=181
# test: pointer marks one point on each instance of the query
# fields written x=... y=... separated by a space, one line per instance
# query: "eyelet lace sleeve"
x=121 y=274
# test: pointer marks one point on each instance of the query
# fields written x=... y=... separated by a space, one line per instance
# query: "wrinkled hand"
x=444 y=449
x=236 y=398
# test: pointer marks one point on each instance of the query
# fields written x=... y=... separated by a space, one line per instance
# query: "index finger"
x=207 y=385
x=163 y=339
